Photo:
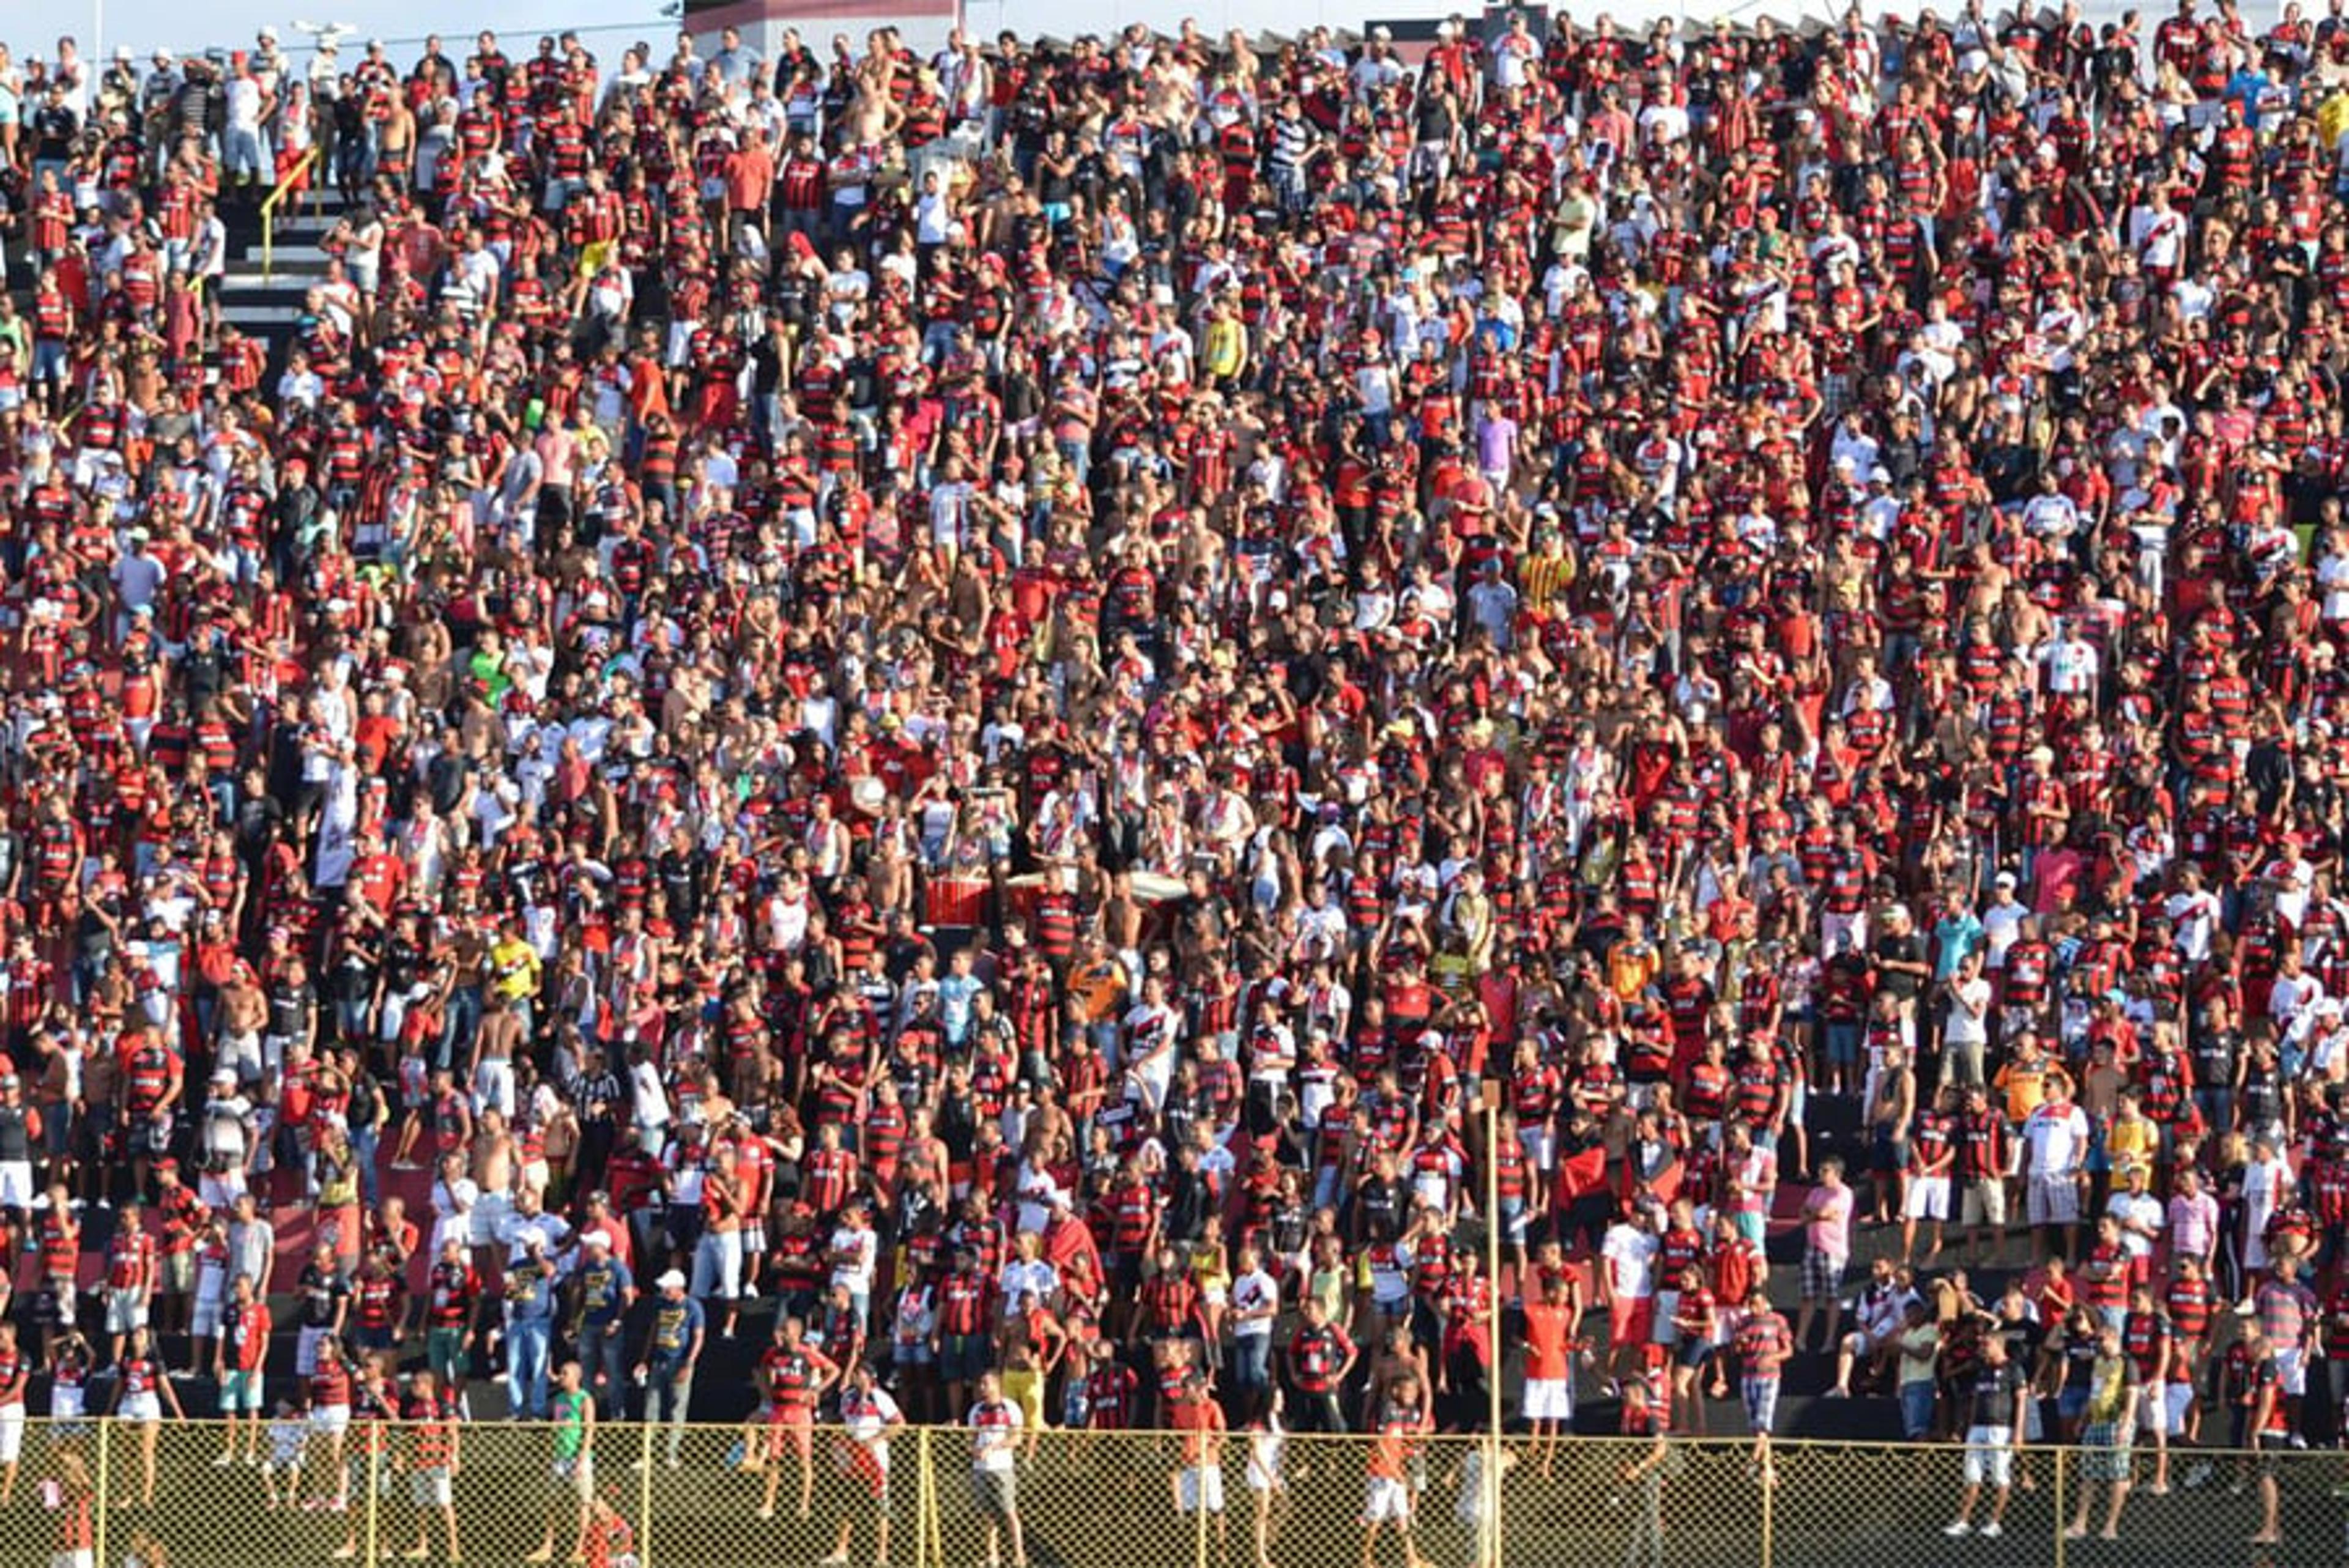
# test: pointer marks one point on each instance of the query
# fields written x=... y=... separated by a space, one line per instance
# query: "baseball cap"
x=673 y=1280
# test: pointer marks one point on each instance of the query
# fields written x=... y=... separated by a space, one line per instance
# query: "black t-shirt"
x=1909 y=948
x=54 y=128
x=318 y=1294
x=1994 y=1388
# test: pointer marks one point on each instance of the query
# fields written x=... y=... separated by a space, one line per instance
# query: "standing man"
x=869 y=1415
x=606 y=1290
x=2055 y=1168
x=1764 y=1347
x=572 y=1481
x=1826 y=1252
x=433 y=1459
x=672 y=1347
x=1321 y=1356
x=1199 y=1484
x=237 y=1361
x=994 y=1423
x=796 y=1374
x=1995 y=1398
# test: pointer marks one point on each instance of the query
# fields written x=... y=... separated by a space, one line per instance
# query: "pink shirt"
x=1827 y=1221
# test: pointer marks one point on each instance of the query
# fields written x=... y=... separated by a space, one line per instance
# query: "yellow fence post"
x=1769 y=1505
x=1199 y=1497
x=930 y=1525
x=645 y=1495
x=98 y=1504
x=373 y=1454
x=2059 y=1508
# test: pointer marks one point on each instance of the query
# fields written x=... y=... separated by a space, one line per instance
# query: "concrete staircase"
x=269 y=306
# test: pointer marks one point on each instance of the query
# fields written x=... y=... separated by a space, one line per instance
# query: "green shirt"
x=570 y=1415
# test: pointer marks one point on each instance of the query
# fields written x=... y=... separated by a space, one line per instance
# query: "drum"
x=955 y=901
x=1020 y=894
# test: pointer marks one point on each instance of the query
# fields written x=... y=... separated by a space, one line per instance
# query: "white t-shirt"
x=1630 y=1256
x=1252 y=1292
x=994 y=1435
x=1967 y=1026
x=2058 y=1137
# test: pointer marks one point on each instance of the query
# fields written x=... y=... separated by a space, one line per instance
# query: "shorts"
x=145 y=1407
x=430 y=1488
x=1761 y=1405
x=1549 y=1400
x=240 y=1393
x=1666 y=1331
x=1201 y=1486
x=1985 y=1203
x=2104 y=1450
x=1822 y=1275
x=125 y=1310
x=2292 y=1371
x=1026 y=1389
x=79 y=1557
x=2052 y=1200
x=1386 y=1499
x=17 y=1191
x=995 y=1493
x=1929 y=1199
x=573 y=1476
x=487 y=1217
x=2176 y=1399
x=12 y=1433
x=962 y=1357
x=179 y=1273
x=331 y=1420
x=1631 y=1320
x=1990 y=1457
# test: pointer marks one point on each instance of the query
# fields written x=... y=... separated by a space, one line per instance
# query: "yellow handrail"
x=302 y=165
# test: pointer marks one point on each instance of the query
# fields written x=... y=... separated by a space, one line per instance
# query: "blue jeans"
x=599 y=1356
x=1917 y=1410
x=1251 y=1366
x=364 y=1142
x=526 y=1344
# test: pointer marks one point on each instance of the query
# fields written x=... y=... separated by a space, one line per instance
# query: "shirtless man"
x=243 y=1012
x=491 y=1169
x=491 y=1071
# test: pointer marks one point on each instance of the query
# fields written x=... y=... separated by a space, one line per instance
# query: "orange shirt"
x=1549 y=1355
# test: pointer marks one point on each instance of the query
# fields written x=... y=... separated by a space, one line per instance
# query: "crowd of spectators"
x=972 y=699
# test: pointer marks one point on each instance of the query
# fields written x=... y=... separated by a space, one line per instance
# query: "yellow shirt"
x=515 y=964
x=2130 y=1146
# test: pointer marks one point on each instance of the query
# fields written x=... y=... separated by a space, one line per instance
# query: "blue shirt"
x=676 y=1325
x=603 y=1290
x=1953 y=938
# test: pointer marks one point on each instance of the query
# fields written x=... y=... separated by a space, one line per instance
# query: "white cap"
x=670 y=1280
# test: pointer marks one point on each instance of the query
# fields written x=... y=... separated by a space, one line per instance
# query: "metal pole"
x=105 y=1484
x=1491 y=1464
x=1199 y=1497
x=2060 y=1453
x=645 y=1494
x=372 y=1459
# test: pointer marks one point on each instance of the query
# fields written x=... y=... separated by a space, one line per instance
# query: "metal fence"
x=1119 y=1500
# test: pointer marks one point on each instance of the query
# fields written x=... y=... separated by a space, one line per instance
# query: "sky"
x=145 y=24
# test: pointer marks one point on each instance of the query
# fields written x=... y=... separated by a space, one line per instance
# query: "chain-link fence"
x=200 y=1495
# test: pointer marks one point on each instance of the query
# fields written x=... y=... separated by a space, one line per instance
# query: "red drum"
x=956 y=901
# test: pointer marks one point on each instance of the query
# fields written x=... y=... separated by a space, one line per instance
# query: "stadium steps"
x=270 y=308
